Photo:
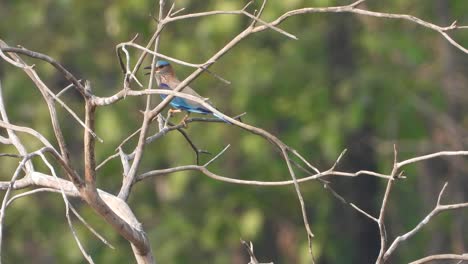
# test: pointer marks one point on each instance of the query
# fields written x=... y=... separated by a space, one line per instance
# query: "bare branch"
x=27 y=130
x=7 y=194
x=431 y=156
x=11 y=134
x=38 y=190
x=11 y=155
x=114 y=209
x=383 y=207
x=212 y=175
x=249 y=247
x=441 y=257
x=18 y=64
x=438 y=209
x=217 y=156
x=236 y=12
x=46 y=94
x=250 y=250
x=352 y=9
x=64 y=90
x=310 y=235
x=24 y=194
x=67 y=212
x=129 y=177
x=53 y=62
x=364 y=213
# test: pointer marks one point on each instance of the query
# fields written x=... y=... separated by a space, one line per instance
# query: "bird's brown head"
x=162 y=67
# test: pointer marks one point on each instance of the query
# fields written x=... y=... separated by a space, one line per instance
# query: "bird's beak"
x=148 y=68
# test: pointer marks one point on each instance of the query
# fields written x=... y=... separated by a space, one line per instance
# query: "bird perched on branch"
x=165 y=75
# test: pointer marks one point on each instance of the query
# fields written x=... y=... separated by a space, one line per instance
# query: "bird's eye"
x=160 y=67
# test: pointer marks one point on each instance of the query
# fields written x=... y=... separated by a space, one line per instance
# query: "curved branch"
x=70 y=77
x=214 y=176
x=352 y=9
x=441 y=257
x=437 y=209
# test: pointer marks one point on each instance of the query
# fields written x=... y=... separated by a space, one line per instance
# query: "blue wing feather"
x=183 y=104
x=186 y=105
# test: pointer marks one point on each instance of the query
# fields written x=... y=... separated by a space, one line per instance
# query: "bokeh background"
x=350 y=81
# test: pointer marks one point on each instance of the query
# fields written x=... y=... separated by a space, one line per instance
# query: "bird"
x=167 y=79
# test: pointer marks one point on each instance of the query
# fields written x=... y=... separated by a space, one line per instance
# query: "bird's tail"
x=220 y=117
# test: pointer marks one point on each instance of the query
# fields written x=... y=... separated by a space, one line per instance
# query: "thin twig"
x=217 y=156
x=305 y=219
x=70 y=77
x=7 y=194
x=12 y=137
x=352 y=9
x=64 y=90
x=250 y=251
x=364 y=212
x=383 y=207
x=431 y=156
x=461 y=257
x=437 y=209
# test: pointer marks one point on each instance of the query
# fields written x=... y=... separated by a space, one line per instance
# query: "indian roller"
x=166 y=78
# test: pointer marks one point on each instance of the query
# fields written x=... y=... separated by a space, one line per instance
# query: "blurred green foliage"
x=346 y=74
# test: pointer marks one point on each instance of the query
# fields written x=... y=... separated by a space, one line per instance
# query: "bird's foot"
x=182 y=122
x=170 y=112
x=173 y=111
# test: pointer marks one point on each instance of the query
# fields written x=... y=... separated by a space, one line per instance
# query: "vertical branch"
x=89 y=144
x=147 y=118
x=134 y=234
x=310 y=235
x=12 y=136
x=7 y=194
x=381 y=221
x=53 y=115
